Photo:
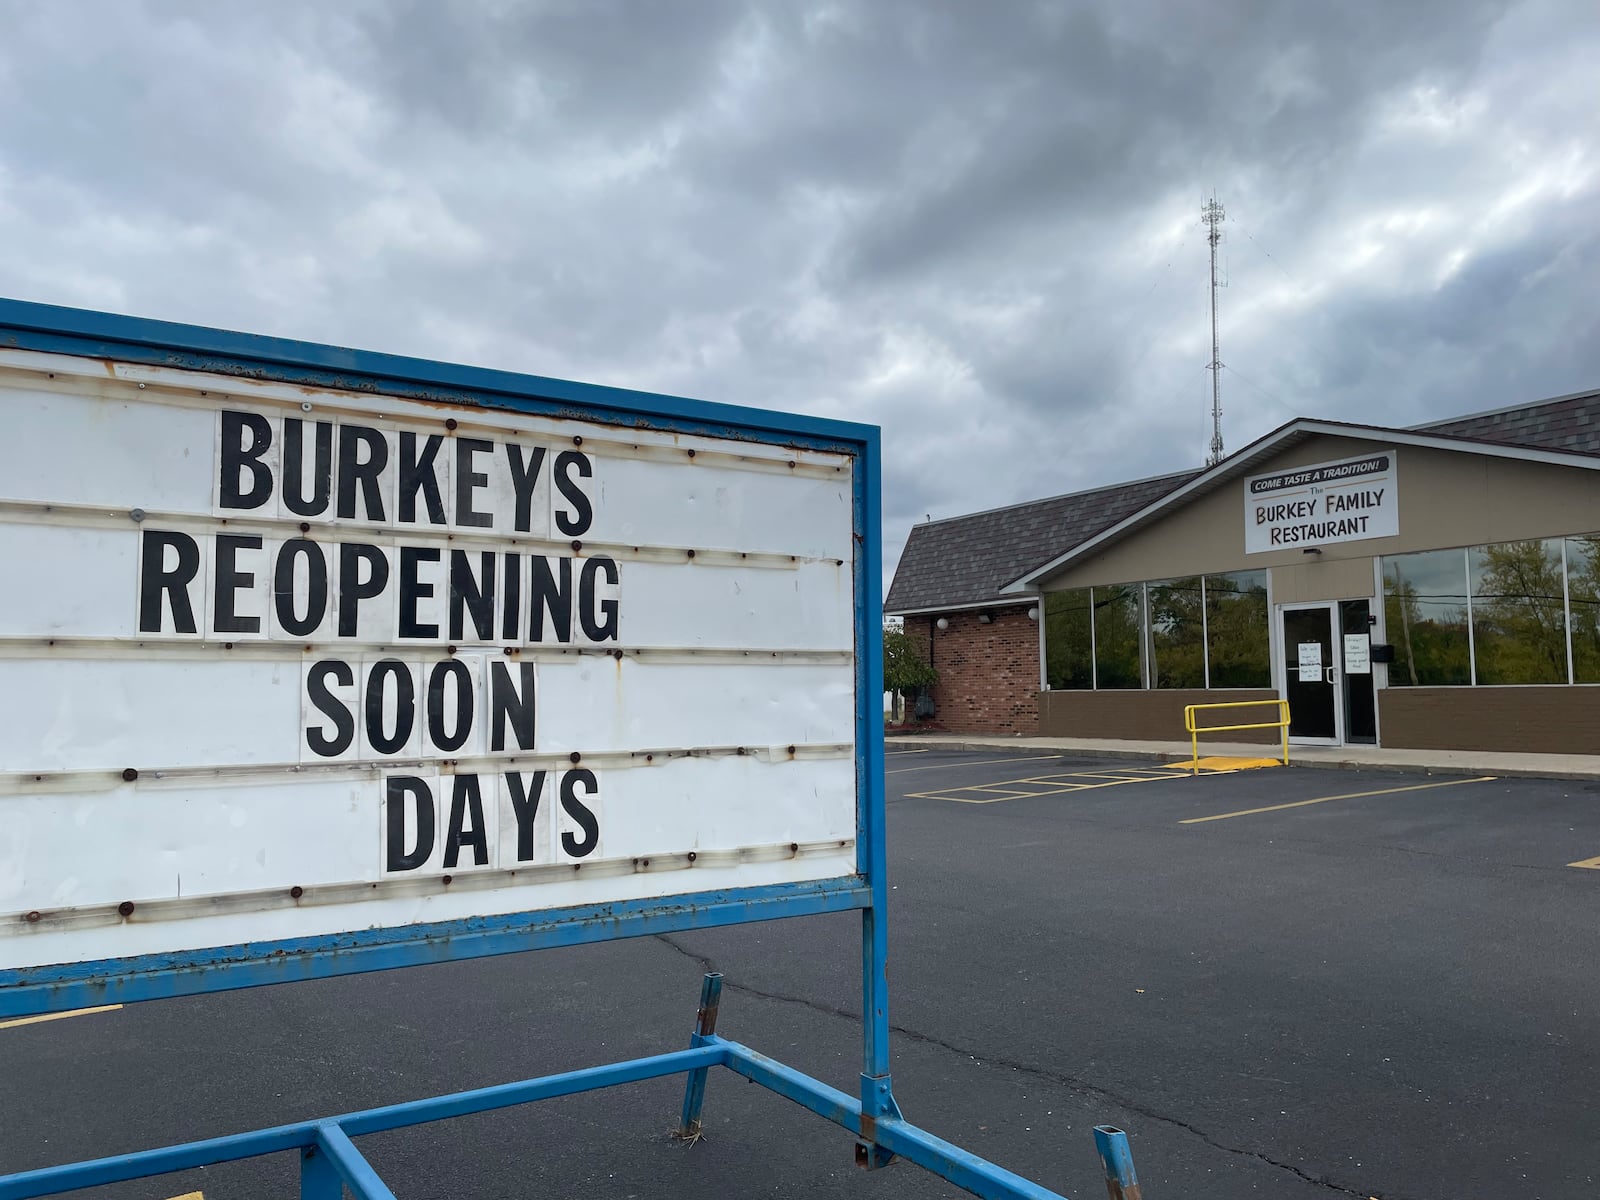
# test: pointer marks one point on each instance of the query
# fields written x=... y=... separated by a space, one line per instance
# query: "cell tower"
x=1212 y=216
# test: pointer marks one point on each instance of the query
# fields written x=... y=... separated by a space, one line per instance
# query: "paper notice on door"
x=1358 y=654
x=1310 y=662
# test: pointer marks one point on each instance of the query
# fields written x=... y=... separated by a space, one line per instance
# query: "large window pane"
x=1177 y=649
x=1583 y=594
x=1116 y=636
x=1068 y=652
x=1518 y=624
x=1425 y=612
x=1238 y=636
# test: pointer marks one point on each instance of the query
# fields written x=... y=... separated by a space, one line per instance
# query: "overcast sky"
x=975 y=224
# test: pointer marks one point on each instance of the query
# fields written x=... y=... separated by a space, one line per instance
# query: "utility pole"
x=1212 y=215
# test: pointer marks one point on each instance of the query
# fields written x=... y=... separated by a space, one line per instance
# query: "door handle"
x=1329 y=673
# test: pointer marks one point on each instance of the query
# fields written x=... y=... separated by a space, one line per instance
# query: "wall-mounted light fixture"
x=986 y=618
x=943 y=622
x=1033 y=613
x=1312 y=550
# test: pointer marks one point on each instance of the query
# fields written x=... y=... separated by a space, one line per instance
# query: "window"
x=1519 y=628
x=1068 y=640
x=1425 y=613
x=1116 y=636
x=1177 y=649
x=1237 y=635
x=1137 y=635
x=1583 y=599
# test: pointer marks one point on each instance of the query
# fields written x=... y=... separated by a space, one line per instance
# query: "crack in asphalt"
x=1126 y=1103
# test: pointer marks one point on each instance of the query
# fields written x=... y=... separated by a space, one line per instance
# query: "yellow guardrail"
x=1195 y=731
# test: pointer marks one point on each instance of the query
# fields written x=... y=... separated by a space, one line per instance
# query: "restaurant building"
x=1433 y=587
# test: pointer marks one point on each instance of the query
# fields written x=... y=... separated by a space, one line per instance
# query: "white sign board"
x=1310 y=662
x=1358 y=653
x=1320 y=505
x=278 y=662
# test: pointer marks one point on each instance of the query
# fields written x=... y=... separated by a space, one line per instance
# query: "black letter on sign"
x=525 y=799
x=154 y=579
x=405 y=705
x=582 y=514
x=547 y=592
x=294 y=497
x=353 y=470
x=467 y=479
x=508 y=700
x=472 y=593
x=352 y=588
x=467 y=796
x=599 y=620
x=238 y=455
x=229 y=580
x=330 y=706
x=417 y=474
x=524 y=478
x=511 y=584
x=316 y=586
x=411 y=591
x=397 y=789
x=457 y=737
x=575 y=808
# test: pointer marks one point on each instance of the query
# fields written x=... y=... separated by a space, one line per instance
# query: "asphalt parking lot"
x=1286 y=983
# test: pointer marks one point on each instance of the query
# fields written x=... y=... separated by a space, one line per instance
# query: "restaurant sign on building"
x=1346 y=501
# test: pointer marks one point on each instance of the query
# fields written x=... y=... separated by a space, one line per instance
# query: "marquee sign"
x=1346 y=501
x=285 y=662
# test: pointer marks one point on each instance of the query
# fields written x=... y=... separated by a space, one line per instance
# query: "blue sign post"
x=33 y=337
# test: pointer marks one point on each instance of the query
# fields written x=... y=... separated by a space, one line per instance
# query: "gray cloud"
x=976 y=225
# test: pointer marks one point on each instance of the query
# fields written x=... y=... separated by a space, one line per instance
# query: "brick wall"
x=988 y=674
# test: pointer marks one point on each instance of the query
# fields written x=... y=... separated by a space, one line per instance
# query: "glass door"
x=1311 y=673
x=1360 y=702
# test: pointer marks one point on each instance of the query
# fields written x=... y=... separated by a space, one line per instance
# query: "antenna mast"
x=1212 y=215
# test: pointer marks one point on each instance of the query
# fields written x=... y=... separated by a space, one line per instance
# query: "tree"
x=904 y=670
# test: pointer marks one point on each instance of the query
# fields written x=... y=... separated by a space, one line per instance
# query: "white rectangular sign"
x=1319 y=505
x=1310 y=662
x=1358 y=653
x=278 y=662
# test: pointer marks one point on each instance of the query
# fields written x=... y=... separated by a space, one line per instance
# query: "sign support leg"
x=877 y=1087
x=705 y=1025
x=319 y=1179
x=1121 y=1182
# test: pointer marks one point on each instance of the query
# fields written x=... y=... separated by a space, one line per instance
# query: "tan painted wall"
x=1447 y=498
x=1335 y=579
x=1527 y=720
x=1147 y=715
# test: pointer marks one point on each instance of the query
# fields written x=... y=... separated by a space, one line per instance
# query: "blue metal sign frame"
x=329 y=1159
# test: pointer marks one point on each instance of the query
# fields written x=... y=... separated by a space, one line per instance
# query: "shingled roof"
x=965 y=561
x=1569 y=423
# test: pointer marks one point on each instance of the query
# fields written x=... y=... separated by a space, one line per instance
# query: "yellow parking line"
x=191 y=1196
x=988 y=762
x=77 y=1012
x=1415 y=787
x=1591 y=864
